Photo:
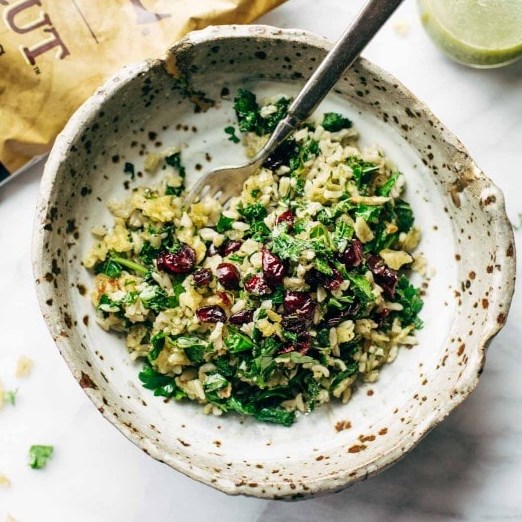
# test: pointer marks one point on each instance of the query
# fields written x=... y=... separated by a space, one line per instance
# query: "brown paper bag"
x=54 y=53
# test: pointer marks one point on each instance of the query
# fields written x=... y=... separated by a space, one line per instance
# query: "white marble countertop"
x=468 y=468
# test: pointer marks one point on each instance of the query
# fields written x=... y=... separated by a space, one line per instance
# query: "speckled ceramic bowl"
x=187 y=99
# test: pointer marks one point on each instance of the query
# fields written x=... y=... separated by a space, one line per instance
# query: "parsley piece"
x=224 y=223
x=255 y=193
x=215 y=382
x=363 y=171
x=342 y=234
x=384 y=190
x=236 y=341
x=110 y=268
x=409 y=297
x=39 y=455
x=162 y=385
x=404 y=215
x=275 y=416
x=362 y=288
x=128 y=168
x=249 y=116
x=333 y=122
x=160 y=301
x=10 y=397
x=174 y=191
x=158 y=342
x=254 y=212
x=247 y=110
x=174 y=160
x=232 y=134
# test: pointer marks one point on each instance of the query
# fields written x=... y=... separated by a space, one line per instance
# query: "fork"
x=226 y=182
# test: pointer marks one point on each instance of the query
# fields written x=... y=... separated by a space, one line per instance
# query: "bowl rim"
x=503 y=233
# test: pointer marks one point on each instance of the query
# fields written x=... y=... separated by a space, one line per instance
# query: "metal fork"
x=226 y=182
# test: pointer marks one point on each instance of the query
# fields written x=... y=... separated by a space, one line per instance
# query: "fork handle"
x=346 y=50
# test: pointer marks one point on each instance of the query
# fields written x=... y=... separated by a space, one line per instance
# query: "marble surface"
x=468 y=468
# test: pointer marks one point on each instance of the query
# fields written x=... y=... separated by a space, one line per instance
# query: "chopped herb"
x=253 y=212
x=236 y=341
x=224 y=223
x=333 y=122
x=362 y=288
x=158 y=342
x=110 y=268
x=249 y=116
x=174 y=160
x=404 y=215
x=232 y=134
x=255 y=193
x=162 y=385
x=174 y=191
x=363 y=171
x=384 y=190
x=409 y=297
x=10 y=397
x=215 y=382
x=39 y=456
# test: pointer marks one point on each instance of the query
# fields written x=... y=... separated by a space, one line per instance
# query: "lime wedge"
x=480 y=33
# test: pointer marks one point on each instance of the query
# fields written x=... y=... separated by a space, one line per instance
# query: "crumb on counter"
x=24 y=366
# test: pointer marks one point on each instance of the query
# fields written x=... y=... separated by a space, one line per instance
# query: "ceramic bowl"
x=187 y=99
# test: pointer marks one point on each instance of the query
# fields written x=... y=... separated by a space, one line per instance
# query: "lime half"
x=480 y=33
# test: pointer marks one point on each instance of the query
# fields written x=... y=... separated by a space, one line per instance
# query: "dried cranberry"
x=202 y=277
x=299 y=303
x=384 y=276
x=230 y=247
x=380 y=316
x=296 y=323
x=281 y=155
x=333 y=318
x=181 y=262
x=225 y=299
x=245 y=316
x=257 y=285
x=302 y=345
x=353 y=255
x=273 y=268
x=228 y=275
x=330 y=282
x=211 y=314
x=212 y=250
x=286 y=217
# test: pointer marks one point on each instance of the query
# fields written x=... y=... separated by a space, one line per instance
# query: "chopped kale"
x=254 y=212
x=363 y=171
x=224 y=223
x=109 y=267
x=174 y=191
x=333 y=122
x=162 y=385
x=404 y=215
x=409 y=297
x=174 y=160
x=385 y=190
x=249 y=115
x=236 y=341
